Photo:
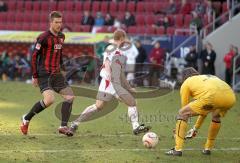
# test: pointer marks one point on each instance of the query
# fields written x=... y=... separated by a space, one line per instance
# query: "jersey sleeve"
x=185 y=94
x=37 y=48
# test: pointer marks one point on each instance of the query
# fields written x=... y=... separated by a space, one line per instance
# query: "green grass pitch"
x=109 y=138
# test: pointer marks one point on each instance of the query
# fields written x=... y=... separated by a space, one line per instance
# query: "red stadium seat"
x=141 y=30
x=10 y=26
x=122 y=6
x=224 y=7
x=35 y=27
x=52 y=6
x=44 y=6
x=36 y=6
x=179 y=20
x=149 y=7
x=19 y=17
x=43 y=26
x=28 y=5
x=150 y=19
x=78 y=7
x=160 y=31
x=3 y=17
x=132 y=30
x=69 y=6
x=36 y=17
x=187 y=20
x=17 y=26
x=26 y=26
x=170 y=31
x=20 y=5
x=27 y=17
x=12 y=5
x=140 y=19
x=104 y=7
x=159 y=6
x=95 y=6
x=68 y=18
x=62 y=5
x=76 y=28
x=140 y=7
x=11 y=17
x=44 y=17
x=113 y=7
x=87 y=6
x=150 y=30
x=86 y=28
x=131 y=6
x=77 y=19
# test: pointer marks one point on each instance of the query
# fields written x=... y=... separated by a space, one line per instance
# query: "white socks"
x=133 y=115
x=86 y=114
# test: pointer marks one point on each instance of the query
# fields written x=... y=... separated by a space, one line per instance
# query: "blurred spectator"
x=191 y=58
x=117 y=23
x=131 y=55
x=22 y=68
x=87 y=19
x=98 y=22
x=172 y=8
x=129 y=19
x=200 y=8
x=208 y=57
x=142 y=56
x=108 y=20
x=4 y=64
x=228 y=59
x=185 y=7
x=100 y=47
x=156 y=58
x=196 y=22
x=209 y=9
x=165 y=22
x=3 y=6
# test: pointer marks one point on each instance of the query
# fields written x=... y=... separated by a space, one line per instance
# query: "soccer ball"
x=150 y=140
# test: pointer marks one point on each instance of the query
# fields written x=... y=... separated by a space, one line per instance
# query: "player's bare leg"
x=48 y=99
x=88 y=113
x=181 y=127
x=66 y=110
x=129 y=100
x=213 y=130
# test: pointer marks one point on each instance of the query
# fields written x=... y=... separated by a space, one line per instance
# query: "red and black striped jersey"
x=47 y=54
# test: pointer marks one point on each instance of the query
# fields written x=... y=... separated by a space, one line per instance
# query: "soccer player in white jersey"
x=114 y=84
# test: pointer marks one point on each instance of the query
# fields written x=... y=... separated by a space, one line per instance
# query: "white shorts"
x=107 y=91
x=106 y=87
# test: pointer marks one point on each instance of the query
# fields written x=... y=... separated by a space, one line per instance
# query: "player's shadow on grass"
x=111 y=105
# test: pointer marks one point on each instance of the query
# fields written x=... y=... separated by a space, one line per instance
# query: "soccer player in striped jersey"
x=46 y=70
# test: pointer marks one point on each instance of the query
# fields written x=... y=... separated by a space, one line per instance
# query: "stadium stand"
x=32 y=15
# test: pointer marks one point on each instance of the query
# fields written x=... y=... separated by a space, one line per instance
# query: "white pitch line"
x=107 y=150
x=106 y=135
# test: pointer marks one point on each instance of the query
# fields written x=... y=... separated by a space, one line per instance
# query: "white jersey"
x=108 y=56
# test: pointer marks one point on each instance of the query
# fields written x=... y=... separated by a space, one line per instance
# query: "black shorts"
x=55 y=82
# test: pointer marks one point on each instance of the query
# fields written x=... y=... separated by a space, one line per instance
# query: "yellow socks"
x=212 y=134
x=181 y=128
x=199 y=121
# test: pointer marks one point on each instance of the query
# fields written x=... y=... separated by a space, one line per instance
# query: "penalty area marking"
x=106 y=150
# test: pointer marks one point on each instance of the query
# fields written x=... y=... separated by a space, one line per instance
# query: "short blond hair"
x=55 y=14
x=119 y=34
